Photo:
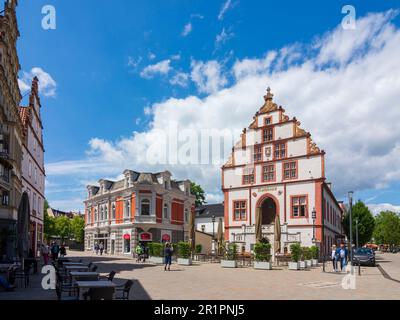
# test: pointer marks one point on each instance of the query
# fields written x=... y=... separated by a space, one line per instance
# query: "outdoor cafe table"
x=94 y=284
x=74 y=264
x=76 y=268
x=92 y=276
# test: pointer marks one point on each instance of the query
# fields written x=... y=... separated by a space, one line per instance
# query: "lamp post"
x=244 y=235
x=213 y=222
x=356 y=232
x=314 y=217
x=351 y=229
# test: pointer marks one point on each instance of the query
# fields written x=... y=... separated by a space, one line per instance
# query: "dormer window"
x=145 y=207
x=267 y=121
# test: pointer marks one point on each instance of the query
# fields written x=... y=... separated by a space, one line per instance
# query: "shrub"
x=156 y=249
x=198 y=248
x=262 y=252
x=314 y=252
x=183 y=250
x=231 y=252
x=305 y=253
x=151 y=251
x=295 y=250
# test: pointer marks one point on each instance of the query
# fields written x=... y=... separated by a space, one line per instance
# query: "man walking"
x=343 y=256
x=101 y=248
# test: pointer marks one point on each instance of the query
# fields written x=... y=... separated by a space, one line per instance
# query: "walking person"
x=335 y=258
x=343 y=255
x=139 y=252
x=63 y=251
x=101 y=248
x=168 y=256
x=45 y=253
x=55 y=249
x=96 y=248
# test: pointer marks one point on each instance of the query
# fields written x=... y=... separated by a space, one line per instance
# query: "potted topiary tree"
x=295 y=254
x=158 y=253
x=198 y=248
x=184 y=254
x=230 y=257
x=302 y=261
x=314 y=255
x=307 y=257
x=262 y=253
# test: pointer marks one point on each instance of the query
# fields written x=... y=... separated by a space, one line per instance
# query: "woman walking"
x=45 y=253
x=334 y=257
x=168 y=256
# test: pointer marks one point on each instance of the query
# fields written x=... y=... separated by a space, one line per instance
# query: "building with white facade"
x=208 y=217
x=33 y=172
x=143 y=207
x=278 y=169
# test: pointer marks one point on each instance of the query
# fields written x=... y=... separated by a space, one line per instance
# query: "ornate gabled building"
x=142 y=207
x=277 y=169
x=33 y=172
x=11 y=130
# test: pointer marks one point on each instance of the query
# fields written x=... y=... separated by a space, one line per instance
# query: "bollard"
x=359 y=268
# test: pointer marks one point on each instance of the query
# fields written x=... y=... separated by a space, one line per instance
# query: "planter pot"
x=308 y=263
x=262 y=265
x=157 y=260
x=228 y=264
x=185 y=262
x=302 y=264
x=314 y=262
x=294 y=265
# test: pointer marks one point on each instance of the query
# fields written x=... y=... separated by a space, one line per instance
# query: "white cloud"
x=151 y=56
x=378 y=208
x=47 y=85
x=187 y=29
x=350 y=109
x=225 y=7
x=162 y=67
x=197 y=15
x=208 y=76
x=223 y=37
x=176 y=56
x=134 y=63
x=180 y=79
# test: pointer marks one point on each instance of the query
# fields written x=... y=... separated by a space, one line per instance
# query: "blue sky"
x=100 y=91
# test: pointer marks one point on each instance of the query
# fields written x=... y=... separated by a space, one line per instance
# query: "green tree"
x=63 y=227
x=366 y=223
x=199 y=193
x=387 y=228
x=78 y=228
x=48 y=222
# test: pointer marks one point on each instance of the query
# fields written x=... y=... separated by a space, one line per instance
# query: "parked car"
x=364 y=256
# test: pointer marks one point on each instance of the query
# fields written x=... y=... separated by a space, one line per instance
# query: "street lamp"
x=213 y=222
x=357 y=232
x=314 y=217
x=244 y=235
x=351 y=229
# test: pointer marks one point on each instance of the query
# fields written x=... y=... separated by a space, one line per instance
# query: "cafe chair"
x=124 y=290
x=22 y=274
x=110 y=277
x=99 y=294
x=94 y=269
x=64 y=284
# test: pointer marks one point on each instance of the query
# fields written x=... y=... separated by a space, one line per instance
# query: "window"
x=299 y=206
x=166 y=211
x=280 y=150
x=88 y=215
x=30 y=168
x=5 y=198
x=290 y=170
x=36 y=180
x=203 y=228
x=186 y=215
x=34 y=202
x=268 y=134
x=248 y=176
x=96 y=217
x=240 y=210
x=113 y=211
x=145 y=207
x=101 y=213
x=269 y=173
x=257 y=153
x=127 y=209
x=105 y=212
x=267 y=121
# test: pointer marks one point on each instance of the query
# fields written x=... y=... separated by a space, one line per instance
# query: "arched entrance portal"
x=268 y=211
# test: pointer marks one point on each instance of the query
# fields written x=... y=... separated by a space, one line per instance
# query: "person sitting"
x=5 y=284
